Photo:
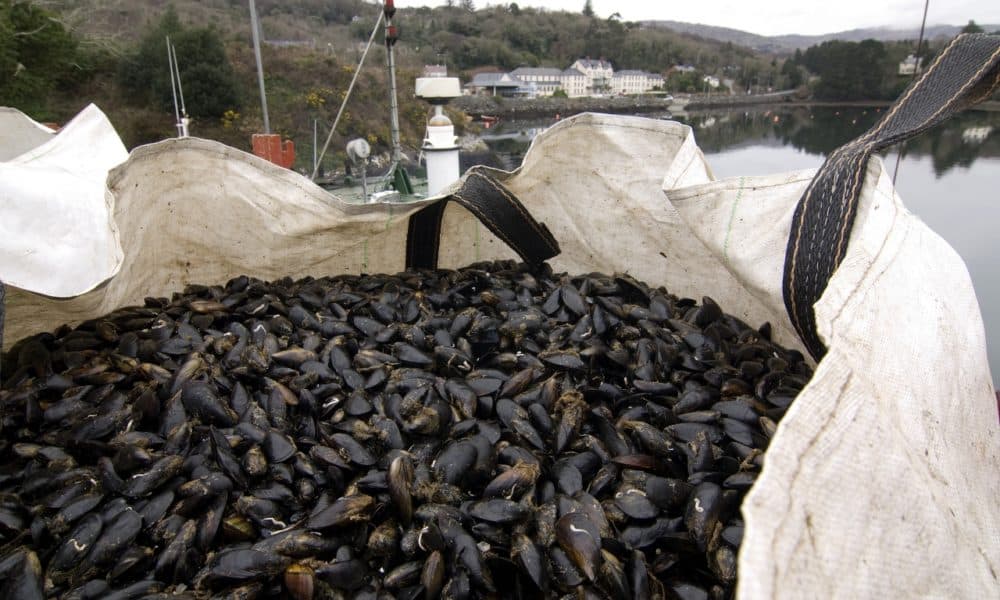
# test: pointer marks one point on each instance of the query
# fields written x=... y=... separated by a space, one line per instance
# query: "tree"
x=8 y=50
x=972 y=28
x=792 y=74
x=468 y=5
x=208 y=81
x=206 y=74
x=37 y=56
x=588 y=9
x=680 y=81
x=147 y=68
x=848 y=70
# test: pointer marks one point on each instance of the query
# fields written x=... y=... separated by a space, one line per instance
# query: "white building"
x=909 y=65
x=976 y=135
x=574 y=83
x=540 y=81
x=545 y=81
x=585 y=77
x=495 y=84
x=635 y=82
x=597 y=72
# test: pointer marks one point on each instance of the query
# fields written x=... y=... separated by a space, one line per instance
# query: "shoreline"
x=477 y=107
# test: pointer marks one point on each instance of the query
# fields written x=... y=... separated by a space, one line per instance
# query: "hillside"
x=787 y=43
x=122 y=22
x=113 y=55
x=503 y=36
x=312 y=47
x=883 y=34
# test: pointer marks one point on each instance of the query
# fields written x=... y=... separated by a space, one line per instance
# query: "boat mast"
x=173 y=87
x=391 y=35
x=350 y=88
x=916 y=71
x=255 y=27
x=183 y=120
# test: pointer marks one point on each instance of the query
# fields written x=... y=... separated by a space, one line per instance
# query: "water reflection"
x=819 y=130
x=948 y=176
x=814 y=130
x=509 y=140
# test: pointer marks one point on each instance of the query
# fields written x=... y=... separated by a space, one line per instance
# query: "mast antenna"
x=255 y=27
x=180 y=114
x=391 y=36
x=175 y=73
x=347 y=95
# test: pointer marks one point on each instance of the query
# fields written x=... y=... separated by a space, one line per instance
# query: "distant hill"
x=722 y=34
x=499 y=36
x=786 y=43
x=311 y=48
x=315 y=21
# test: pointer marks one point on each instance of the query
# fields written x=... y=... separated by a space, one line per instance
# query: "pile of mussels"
x=491 y=432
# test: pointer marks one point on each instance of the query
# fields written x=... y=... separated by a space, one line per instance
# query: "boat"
x=393 y=184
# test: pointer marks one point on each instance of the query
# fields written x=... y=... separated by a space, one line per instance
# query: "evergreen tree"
x=588 y=9
x=793 y=77
x=37 y=56
x=972 y=28
x=8 y=54
x=147 y=68
x=206 y=74
x=848 y=70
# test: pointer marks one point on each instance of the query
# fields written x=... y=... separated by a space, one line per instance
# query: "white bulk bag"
x=191 y=210
x=883 y=477
x=20 y=133
x=57 y=235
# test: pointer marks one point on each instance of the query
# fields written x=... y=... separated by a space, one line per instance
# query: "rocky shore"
x=478 y=106
x=524 y=108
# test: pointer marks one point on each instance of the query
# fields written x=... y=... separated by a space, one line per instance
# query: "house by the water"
x=585 y=77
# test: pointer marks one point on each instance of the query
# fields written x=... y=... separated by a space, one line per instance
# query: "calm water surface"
x=949 y=176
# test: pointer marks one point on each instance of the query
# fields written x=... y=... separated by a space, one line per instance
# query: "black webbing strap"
x=966 y=72
x=496 y=207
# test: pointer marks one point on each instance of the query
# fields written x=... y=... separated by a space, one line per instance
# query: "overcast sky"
x=773 y=17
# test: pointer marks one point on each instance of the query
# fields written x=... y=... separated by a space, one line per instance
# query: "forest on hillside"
x=58 y=55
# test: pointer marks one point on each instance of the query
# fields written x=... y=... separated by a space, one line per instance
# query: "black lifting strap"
x=966 y=72
x=496 y=207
